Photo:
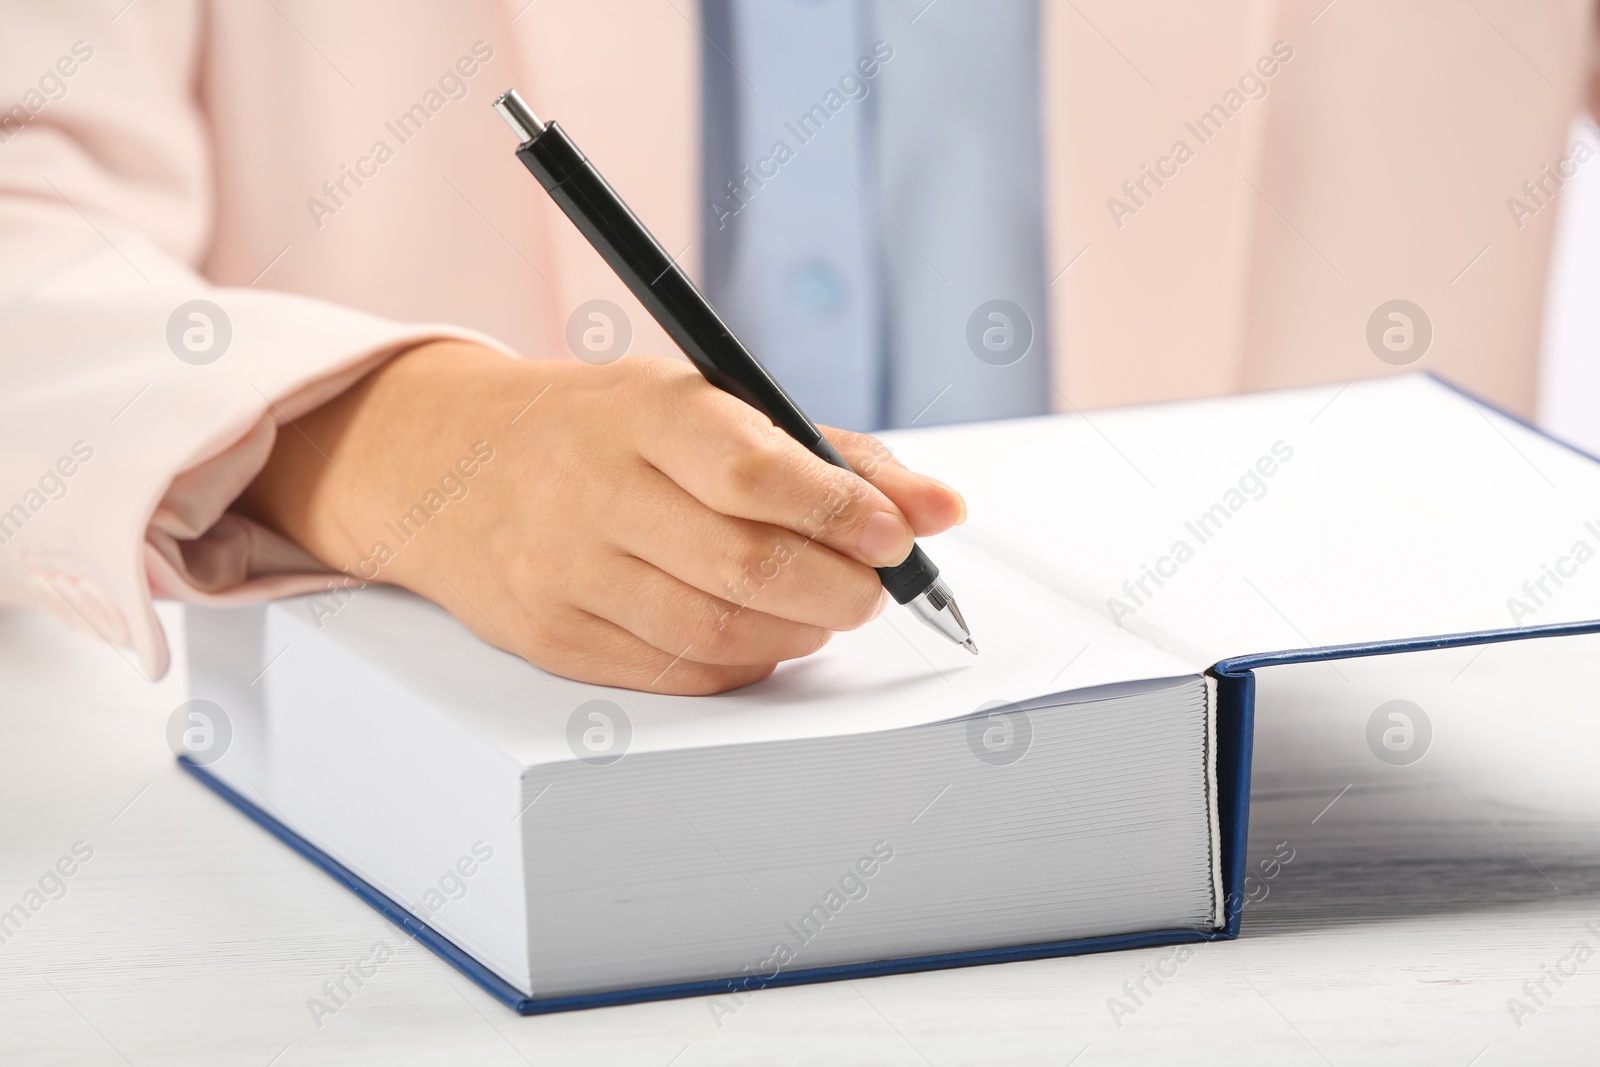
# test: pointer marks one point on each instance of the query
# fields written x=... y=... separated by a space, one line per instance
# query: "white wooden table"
x=1415 y=905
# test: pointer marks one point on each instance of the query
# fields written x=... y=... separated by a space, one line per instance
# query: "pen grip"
x=654 y=277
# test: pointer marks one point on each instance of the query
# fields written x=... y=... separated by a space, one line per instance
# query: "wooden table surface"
x=1422 y=905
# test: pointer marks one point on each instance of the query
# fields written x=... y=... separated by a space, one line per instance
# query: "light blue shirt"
x=873 y=220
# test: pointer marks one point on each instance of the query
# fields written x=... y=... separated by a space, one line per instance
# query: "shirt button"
x=816 y=289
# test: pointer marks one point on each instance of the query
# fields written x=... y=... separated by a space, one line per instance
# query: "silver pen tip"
x=936 y=607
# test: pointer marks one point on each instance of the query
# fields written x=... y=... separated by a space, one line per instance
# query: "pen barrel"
x=655 y=279
x=672 y=299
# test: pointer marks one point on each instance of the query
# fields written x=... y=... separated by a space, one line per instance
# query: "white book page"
x=892 y=673
x=1379 y=510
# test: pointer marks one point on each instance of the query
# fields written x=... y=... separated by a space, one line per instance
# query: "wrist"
x=340 y=476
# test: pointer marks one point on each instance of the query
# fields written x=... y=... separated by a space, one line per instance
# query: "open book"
x=893 y=803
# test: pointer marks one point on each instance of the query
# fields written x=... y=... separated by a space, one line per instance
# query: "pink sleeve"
x=127 y=424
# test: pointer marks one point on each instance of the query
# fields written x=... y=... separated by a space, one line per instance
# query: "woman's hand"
x=629 y=524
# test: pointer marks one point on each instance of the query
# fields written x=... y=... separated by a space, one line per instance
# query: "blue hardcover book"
x=892 y=804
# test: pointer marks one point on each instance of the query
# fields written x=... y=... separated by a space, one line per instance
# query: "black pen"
x=690 y=320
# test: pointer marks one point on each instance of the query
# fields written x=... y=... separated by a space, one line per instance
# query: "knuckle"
x=755 y=557
x=853 y=442
x=731 y=483
x=756 y=455
x=854 y=597
x=701 y=679
x=755 y=451
x=545 y=638
x=721 y=635
x=813 y=639
x=696 y=684
x=748 y=637
x=836 y=512
x=648 y=383
x=861 y=607
x=657 y=371
x=731 y=552
x=636 y=379
x=747 y=565
x=867 y=454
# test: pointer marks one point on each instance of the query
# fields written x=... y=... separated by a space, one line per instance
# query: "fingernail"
x=886 y=540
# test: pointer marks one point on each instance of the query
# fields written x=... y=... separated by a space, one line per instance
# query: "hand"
x=629 y=525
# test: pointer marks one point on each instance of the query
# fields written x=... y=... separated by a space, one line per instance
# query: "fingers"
x=587 y=648
x=666 y=537
x=743 y=563
x=929 y=505
x=606 y=654
x=685 y=622
x=734 y=461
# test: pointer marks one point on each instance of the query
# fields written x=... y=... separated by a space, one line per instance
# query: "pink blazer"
x=329 y=180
